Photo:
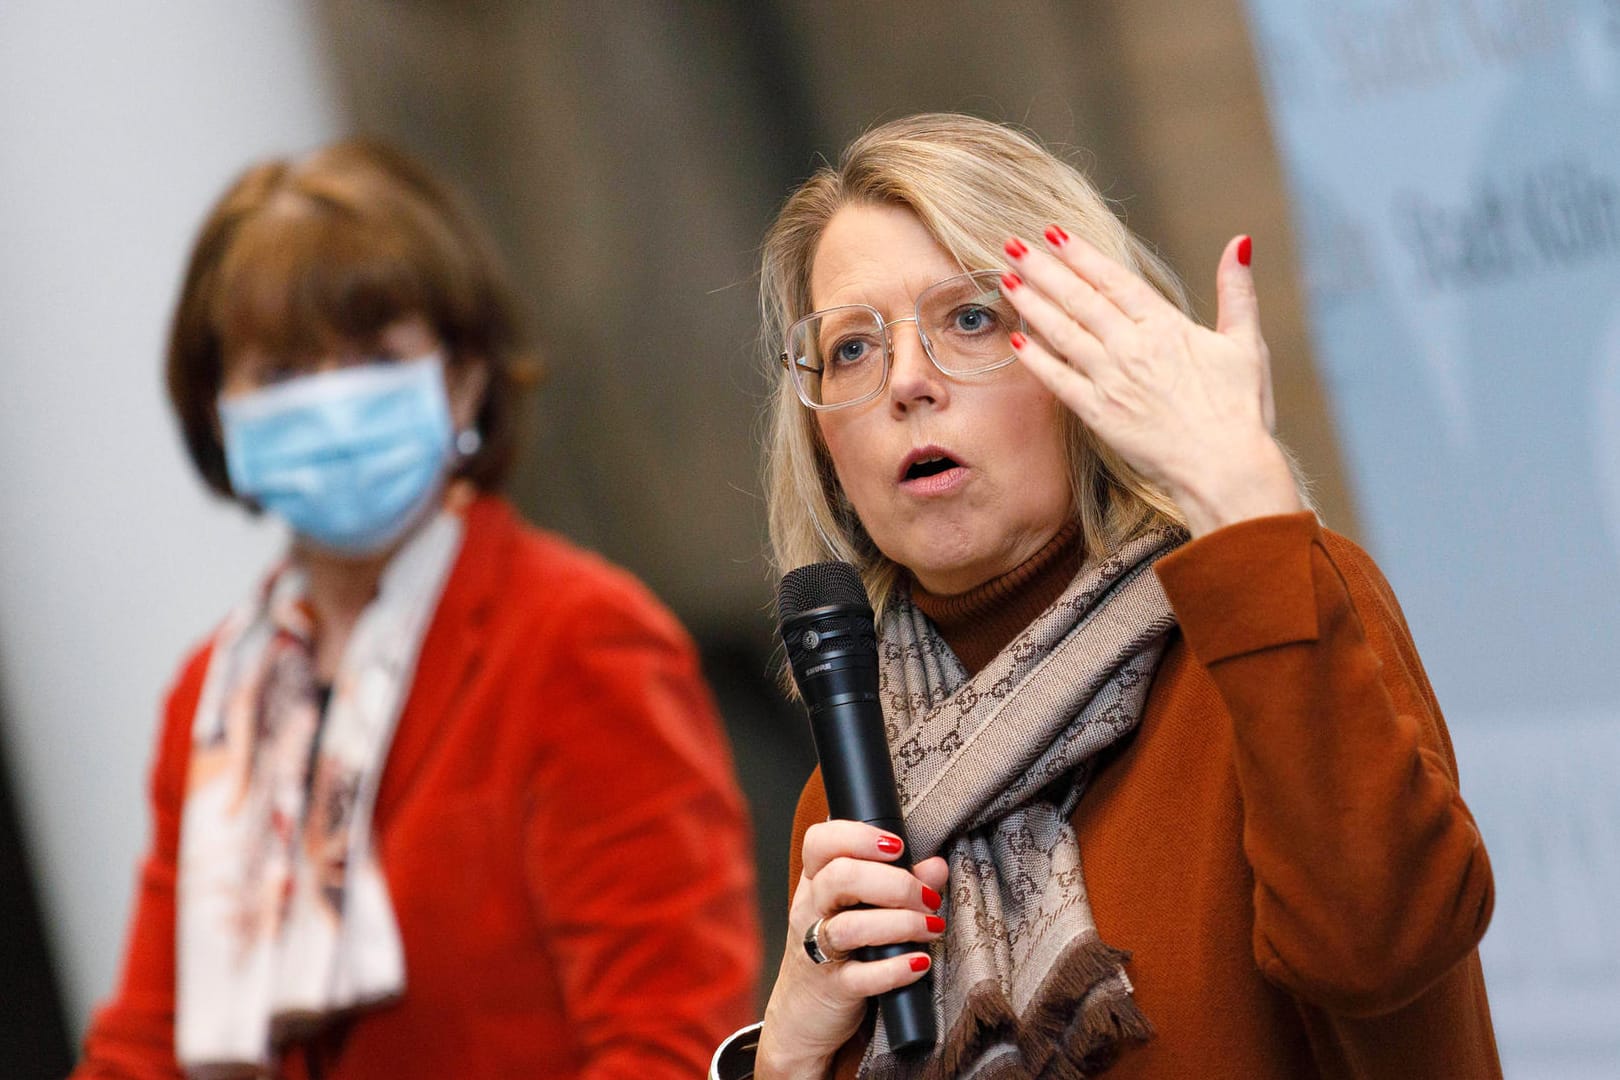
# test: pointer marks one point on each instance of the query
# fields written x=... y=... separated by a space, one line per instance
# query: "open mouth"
x=930 y=466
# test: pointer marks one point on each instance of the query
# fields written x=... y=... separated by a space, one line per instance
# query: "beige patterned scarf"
x=990 y=771
x=284 y=917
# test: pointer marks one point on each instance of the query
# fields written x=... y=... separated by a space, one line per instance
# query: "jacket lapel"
x=449 y=655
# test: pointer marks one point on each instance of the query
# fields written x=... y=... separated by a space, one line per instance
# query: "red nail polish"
x=889 y=844
x=1245 y=250
x=1011 y=280
x=1018 y=339
x=931 y=898
x=1056 y=236
x=920 y=963
x=1015 y=248
x=936 y=925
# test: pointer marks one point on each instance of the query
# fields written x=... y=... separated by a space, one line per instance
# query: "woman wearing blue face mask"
x=443 y=795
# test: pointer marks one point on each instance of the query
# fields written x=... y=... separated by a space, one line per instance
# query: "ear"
x=466 y=381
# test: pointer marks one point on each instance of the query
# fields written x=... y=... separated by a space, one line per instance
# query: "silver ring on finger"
x=813 y=947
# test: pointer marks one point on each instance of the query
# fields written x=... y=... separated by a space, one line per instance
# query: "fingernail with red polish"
x=1015 y=248
x=1056 y=236
x=890 y=845
x=1018 y=339
x=1245 y=250
x=936 y=925
x=920 y=963
x=932 y=898
x=1011 y=281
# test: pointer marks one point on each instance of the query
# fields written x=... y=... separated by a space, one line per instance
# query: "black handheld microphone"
x=826 y=623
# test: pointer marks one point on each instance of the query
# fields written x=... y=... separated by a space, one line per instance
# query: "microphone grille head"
x=819 y=585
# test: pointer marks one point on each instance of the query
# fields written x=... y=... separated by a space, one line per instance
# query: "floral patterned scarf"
x=284 y=917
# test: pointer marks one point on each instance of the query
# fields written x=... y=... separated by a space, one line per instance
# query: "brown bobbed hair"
x=971 y=183
x=302 y=257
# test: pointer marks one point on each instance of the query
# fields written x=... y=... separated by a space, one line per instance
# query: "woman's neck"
x=339 y=588
x=979 y=623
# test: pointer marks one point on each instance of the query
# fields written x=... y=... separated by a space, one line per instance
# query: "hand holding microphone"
x=860 y=914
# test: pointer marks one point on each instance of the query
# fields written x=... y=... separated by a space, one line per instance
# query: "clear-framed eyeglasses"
x=840 y=356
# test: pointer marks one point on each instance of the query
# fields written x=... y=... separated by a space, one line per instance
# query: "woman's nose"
x=913 y=378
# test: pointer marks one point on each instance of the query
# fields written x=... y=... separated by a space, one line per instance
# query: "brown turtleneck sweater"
x=979 y=623
x=1282 y=844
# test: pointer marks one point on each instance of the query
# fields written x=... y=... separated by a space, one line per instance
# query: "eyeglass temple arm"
x=802 y=366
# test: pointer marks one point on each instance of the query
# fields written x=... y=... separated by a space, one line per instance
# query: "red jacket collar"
x=450 y=649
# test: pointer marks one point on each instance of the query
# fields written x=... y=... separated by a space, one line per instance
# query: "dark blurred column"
x=33 y=1029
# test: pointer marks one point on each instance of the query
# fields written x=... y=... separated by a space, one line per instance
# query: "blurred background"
x=1434 y=191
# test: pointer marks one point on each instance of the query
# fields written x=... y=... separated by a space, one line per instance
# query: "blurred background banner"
x=1453 y=179
x=1454 y=172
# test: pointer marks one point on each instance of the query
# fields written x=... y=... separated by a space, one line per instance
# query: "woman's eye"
x=851 y=351
x=973 y=320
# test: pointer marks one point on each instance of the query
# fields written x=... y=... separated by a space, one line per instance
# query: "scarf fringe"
x=987 y=1018
x=1057 y=1039
x=1069 y=1033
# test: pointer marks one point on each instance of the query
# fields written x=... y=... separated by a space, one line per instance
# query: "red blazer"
x=562 y=835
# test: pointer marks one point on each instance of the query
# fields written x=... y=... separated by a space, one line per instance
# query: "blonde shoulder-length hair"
x=972 y=183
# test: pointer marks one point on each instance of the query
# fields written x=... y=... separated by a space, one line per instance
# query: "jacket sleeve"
x=1370 y=878
x=639 y=856
x=811 y=809
x=132 y=1035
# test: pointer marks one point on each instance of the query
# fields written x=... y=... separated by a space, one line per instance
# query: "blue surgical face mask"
x=351 y=459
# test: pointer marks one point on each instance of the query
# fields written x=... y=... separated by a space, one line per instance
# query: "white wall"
x=119 y=125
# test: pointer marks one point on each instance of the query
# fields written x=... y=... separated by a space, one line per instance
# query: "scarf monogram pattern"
x=990 y=770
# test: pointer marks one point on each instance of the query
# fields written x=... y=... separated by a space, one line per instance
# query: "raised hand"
x=1187 y=406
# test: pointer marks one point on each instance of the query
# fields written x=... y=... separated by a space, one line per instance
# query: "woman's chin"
x=950 y=576
x=951 y=558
